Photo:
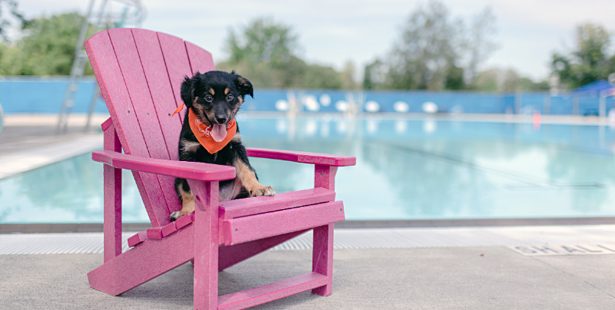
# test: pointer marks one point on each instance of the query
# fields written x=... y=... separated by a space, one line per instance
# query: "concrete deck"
x=423 y=278
x=29 y=141
x=562 y=267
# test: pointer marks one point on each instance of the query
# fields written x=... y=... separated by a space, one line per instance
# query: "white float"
x=311 y=104
x=342 y=106
x=372 y=106
x=401 y=107
x=281 y=105
x=325 y=100
x=430 y=107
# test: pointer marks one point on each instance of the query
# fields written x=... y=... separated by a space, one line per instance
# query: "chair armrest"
x=303 y=157
x=174 y=168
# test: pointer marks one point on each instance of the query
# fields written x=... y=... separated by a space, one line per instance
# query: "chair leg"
x=322 y=257
x=205 y=245
x=206 y=278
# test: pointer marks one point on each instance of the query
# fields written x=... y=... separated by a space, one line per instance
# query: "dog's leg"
x=248 y=179
x=230 y=190
x=186 y=197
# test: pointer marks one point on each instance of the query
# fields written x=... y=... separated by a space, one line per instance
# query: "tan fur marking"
x=249 y=181
x=245 y=175
x=212 y=91
x=230 y=191
x=227 y=90
x=188 y=203
x=237 y=138
x=240 y=99
x=190 y=146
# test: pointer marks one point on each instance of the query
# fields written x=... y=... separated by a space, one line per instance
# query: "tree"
x=588 y=61
x=435 y=51
x=267 y=53
x=262 y=40
x=506 y=80
x=348 y=75
x=47 y=46
x=426 y=49
x=9 y=14
x=479 y=43
x=320 y=76
x=374 y=75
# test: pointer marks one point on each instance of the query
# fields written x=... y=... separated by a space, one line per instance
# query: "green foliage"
x=47 y=47
x=434 y=51
x=506 y=80
x=374 y=75
x=348 y=75
x=588 y=61
x=454 y=78
x=263 y=40
x=267 y=53
x=425 y=51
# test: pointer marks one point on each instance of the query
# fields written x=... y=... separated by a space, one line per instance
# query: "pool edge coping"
x=351 y=224
x=31 y=159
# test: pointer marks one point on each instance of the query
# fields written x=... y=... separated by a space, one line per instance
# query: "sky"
x=335 y=31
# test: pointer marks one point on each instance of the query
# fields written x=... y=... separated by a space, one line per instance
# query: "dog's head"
x=215 y=96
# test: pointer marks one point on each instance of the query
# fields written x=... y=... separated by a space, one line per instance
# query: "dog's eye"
x=209 y=98
x=230 y=97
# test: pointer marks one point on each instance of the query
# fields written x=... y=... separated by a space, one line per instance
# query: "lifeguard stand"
x=100 y=14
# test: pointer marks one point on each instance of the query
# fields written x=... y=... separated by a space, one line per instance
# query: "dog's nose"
x=221 y=119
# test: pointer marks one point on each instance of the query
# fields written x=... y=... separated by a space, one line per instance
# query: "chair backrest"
x=139 y=73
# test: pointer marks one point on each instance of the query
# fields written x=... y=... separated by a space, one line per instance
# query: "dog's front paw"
x=262 y=191
x=175 y=215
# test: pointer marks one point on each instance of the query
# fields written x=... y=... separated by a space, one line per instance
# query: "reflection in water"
x=405 y=170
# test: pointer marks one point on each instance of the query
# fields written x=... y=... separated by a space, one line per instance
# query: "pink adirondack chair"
x=139 y=73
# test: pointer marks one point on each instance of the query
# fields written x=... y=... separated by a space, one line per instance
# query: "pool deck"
x=435 y=270
x=28 y=142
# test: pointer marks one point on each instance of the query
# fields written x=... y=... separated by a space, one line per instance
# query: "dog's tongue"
x=218 y=132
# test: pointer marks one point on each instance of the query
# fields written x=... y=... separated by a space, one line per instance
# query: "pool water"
x=406 y=169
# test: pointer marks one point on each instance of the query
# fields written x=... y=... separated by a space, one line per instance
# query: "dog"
x=210 y=135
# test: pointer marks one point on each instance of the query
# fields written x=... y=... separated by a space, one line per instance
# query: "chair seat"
x=233 y=213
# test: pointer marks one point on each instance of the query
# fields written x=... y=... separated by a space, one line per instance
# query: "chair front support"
x=206 y=244
x=112 y=199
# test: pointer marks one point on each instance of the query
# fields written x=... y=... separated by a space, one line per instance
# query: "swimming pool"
x=406 y=169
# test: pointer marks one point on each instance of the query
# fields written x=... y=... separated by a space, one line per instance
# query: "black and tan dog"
x=210 y=134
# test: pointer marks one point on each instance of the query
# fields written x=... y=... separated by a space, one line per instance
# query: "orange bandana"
x=207 y=135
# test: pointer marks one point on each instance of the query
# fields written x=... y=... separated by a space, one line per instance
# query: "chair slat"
x=137 y=239
x=200 y=59
x=145 y=111
x=266 y=293
x=160 y=87
x=256 y=205
x=113 y=89
x=244 y=229
x=177 y=63
x=141 y=73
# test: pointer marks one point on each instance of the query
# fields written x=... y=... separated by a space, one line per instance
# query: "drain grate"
x=564 y=249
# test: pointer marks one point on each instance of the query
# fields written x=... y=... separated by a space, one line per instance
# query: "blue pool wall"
x=45 y=96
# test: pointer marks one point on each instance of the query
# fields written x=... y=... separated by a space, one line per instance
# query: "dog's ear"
x=187 y=91
x=243 y=85
x=189 y=88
